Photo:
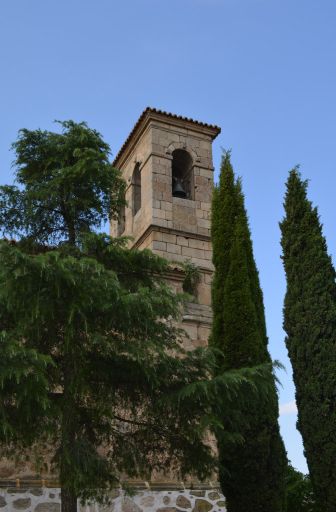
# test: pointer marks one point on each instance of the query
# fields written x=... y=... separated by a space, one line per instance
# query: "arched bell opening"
x=182 y=174
x=136 y=189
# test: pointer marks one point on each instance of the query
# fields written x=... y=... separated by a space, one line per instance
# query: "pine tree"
x=123 y=397
x=310 y=325
x=253 y=471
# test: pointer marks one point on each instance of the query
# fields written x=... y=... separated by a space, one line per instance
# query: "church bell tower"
x=167 y=164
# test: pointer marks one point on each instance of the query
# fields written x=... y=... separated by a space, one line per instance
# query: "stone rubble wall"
x=49 y=500
x=30 y=500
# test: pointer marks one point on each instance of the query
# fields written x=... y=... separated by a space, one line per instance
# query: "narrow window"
x=136 y=183
x=121 y=220
x=182 y=174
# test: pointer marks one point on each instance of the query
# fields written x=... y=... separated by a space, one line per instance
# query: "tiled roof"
x=150 y=110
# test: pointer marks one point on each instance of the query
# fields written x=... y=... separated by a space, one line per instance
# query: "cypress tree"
x=223 y=214
x=310 y=325
x=252 y=472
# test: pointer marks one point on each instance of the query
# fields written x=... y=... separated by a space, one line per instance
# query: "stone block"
x=208 y=278
x=174 y=249
x=191 y=252
x=192 y=220
x=198 y=244
x=187 y=203
x=48 y=507
x=204 y=333
x=147 y=501
x=36 y=491
x=159 y=246
x=206 y=173
x=160 y=222
x=205 y=144
x=159 y=214
x=202 y=505
x=191 y=330
x=157 y=235
x=157 y=148
x=213 y=495
x=204 y=294
x=182 y=240
x=21 y=503
x=174 y=257
x=168 y=509
x=203 y=231
x=201 y=180
x=164 y=140
x=203 y=263
x=168 y=237
x=167 y=205
x=204 y=223
x=183 y=502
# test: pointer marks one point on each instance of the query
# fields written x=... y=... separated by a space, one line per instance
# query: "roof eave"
x=152 y=114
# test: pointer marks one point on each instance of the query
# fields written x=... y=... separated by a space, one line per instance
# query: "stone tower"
x=167 y=164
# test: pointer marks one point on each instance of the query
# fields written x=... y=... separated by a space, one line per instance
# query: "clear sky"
x=264 y=70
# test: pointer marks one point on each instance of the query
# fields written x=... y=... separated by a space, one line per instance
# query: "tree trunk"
x=69 y=501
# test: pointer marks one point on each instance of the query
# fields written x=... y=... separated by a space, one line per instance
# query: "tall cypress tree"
x=223 y=214
x=310 y=324
x=252 y=472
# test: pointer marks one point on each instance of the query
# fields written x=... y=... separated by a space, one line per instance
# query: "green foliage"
x=23 y=388
x=104 y=321
x=66 y=185
x=223 y=214
x=300 y=494
x=23 y=379
x=191 y=277
x=310 y=324
x=252 y=472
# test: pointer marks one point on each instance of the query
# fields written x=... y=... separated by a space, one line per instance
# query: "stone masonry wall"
x=30 y=500
x=49 y=500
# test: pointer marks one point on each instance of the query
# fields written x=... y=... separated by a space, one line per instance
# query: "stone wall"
x=30 y=500
x=182 y=500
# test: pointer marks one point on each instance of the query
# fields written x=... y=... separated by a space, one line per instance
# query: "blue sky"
x=264 y=70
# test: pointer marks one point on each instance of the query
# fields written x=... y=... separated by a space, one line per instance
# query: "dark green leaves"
x=66 y=185
x=310 y=325
x=257 y=463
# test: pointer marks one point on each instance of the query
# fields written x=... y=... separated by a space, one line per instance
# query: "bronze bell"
x=178 y=190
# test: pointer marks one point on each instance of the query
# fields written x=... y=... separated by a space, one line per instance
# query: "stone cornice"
x=171 y=231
